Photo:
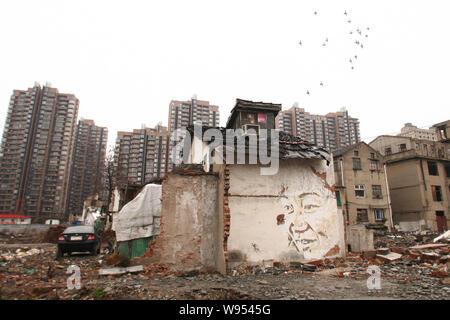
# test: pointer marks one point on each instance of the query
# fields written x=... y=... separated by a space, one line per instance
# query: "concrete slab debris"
x=429 y=246
x=115 y=271
x=444 y=236
x=390 y=256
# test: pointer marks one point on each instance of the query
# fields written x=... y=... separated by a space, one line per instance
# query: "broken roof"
x=252 y=106
x=290 y=147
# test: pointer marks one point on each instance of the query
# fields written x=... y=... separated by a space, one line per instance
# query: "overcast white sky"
x=125 y=60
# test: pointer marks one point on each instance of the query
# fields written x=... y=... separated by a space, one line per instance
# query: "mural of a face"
x=301 y=235
x=307 y=218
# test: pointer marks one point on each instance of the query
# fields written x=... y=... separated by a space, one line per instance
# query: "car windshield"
x=79 y=229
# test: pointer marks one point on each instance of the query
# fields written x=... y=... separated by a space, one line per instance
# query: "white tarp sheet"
x=140 y=218
x=91 y=216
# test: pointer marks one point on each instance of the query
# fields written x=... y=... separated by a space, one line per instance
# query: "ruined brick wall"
x=290 y=216
x=189 y=223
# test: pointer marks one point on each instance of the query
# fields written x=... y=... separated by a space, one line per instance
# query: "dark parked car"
x=78 y=239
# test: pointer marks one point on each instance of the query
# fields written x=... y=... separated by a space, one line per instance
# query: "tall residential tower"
x=332 y=131
x=140 y=156
x=88 y=164
x=36 y=152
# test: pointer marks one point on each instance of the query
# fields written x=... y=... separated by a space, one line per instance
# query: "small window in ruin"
x=373 y=165
x=356 y=164
x=361 y=215
x=359 y=191
x=356 y=153
x=249 y=118
x=388 y=150
x=447 y=170
x=379 y=214
x=437 y=193
x=402 y=147
x=376 y=192
x=432 y=168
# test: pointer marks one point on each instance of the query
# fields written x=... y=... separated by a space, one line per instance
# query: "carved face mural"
x=301 y=235
x=307 y=220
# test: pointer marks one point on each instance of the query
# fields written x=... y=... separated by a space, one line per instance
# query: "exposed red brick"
x=333 y=251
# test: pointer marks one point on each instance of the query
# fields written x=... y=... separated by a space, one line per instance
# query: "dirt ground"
x=30 y=271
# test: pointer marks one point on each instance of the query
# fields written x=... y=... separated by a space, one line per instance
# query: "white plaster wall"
x=306 y=201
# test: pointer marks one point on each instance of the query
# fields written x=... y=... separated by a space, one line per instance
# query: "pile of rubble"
x=25 y=237
x=420 y=271
x=403 y=239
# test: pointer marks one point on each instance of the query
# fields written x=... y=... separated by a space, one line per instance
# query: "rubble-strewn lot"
x=30 y=271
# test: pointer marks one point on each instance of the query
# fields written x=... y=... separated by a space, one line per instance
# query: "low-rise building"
x=14 y=219
x=418 y=173
x=362 y=193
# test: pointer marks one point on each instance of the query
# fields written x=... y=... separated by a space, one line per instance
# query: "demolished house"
x=253 y=197
x=138 y=222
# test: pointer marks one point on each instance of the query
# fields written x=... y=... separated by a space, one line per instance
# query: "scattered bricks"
x=429 y=256
x=444 y=259
x=339 y=264
x=413 y=256
x=398 y=250
x=316 y=262
x=383 y=251
x=295 y=264
x=339 y=274
x=309 y=267
x=37 y=291
x=438 y=274
x=354 y=258
x=369 y=254
x=112 y=259
x=389 y=257
x=445 y=281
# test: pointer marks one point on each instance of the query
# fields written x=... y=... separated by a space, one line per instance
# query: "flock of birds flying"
x=358 y=34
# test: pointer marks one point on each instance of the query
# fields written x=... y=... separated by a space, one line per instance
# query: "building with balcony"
x=185 y=113
x=418 y=173
x=88 y=167
x=362 y=193
x=140 y=156
x=36 y=152
x=332 y=131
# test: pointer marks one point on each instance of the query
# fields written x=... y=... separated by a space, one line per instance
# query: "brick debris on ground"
x=418 y=270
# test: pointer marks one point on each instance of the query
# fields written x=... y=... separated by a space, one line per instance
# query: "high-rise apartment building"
x=332 y=131
x=185 y=113
x=88 y=164
x=36 y=152
x=409 y=130
x=141 y=155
